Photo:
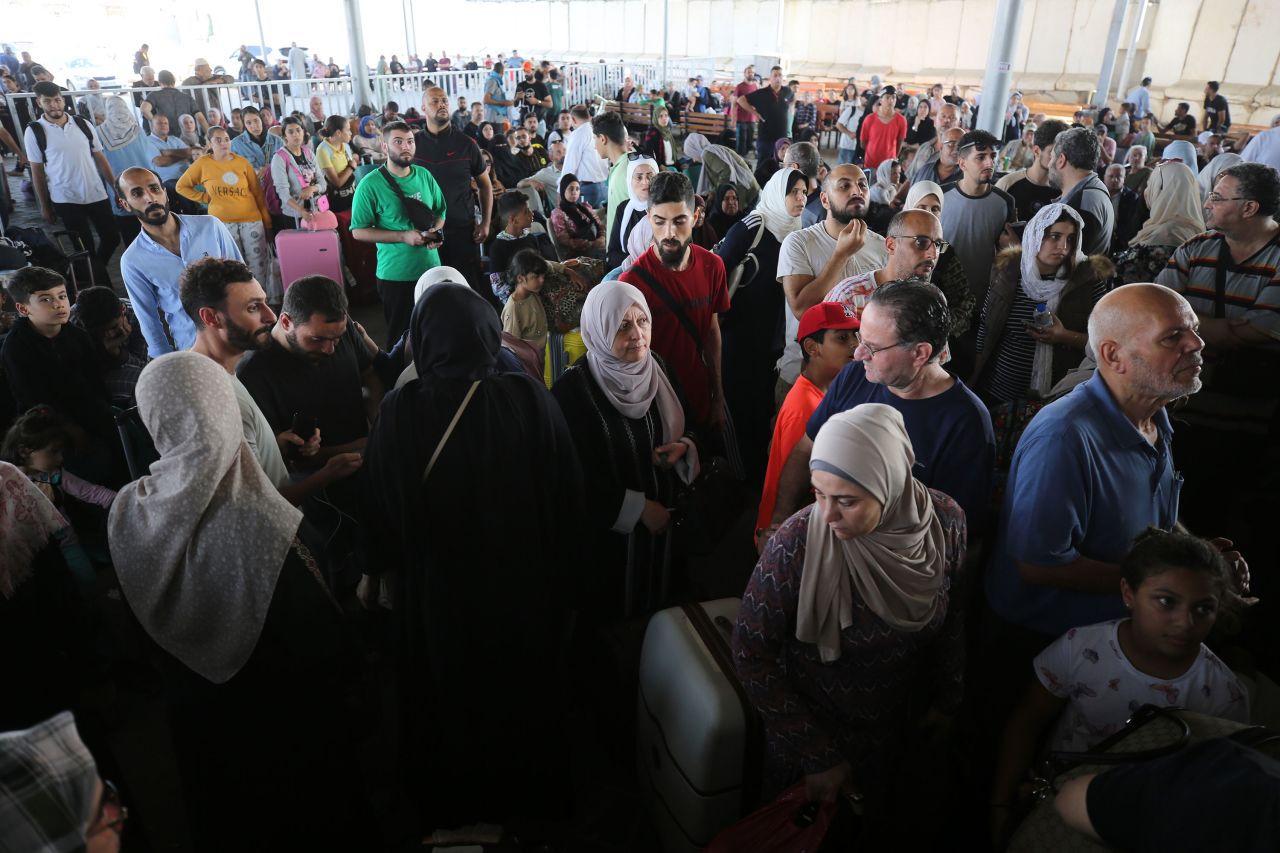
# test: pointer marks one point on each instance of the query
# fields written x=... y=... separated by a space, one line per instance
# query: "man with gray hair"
x=1076 y=153
x=948 y=118
x=805 y=157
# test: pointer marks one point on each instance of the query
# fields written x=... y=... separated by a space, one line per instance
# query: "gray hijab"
x=200 y=541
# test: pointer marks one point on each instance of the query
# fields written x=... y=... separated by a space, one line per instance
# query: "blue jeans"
x=595 y=193
x=746 y=135
x=846 y=155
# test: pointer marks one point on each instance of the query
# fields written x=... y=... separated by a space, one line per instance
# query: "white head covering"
x=772 y=206
x=898 y=569
x=1049 y=291
x=1181 y=149
x=1177 y=212
x=635 y=204
x=1209 y=174
x=199 y=543
x=434 y=276
x=884 y=189
x=699 y=148
x=919 y=190
x=191 y=137
x=630 y=386
x=120 y=127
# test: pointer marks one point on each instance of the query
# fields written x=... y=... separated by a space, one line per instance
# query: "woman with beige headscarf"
x=1173 y=197
x=849 y=611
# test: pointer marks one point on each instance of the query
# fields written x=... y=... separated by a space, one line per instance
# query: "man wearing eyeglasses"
x=903 y=334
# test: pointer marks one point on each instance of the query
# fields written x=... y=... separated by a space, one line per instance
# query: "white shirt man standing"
x=582 y=159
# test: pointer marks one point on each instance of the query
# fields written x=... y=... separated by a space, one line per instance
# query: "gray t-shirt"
x=806 y=252
x=1092 y=201
x=972 y=225
x=260 y=437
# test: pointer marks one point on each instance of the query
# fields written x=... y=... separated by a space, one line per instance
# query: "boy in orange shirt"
x=828 y=336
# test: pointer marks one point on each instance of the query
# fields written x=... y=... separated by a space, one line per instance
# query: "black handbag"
x=707 y=510
x=420 y=215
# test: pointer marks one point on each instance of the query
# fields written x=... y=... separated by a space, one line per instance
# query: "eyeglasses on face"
x=111 y=812
x=1214 y=198
x=872 y=351
x=922 y=242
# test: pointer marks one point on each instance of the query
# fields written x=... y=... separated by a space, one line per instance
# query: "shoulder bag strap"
x=672 y=306
x=457 y=416
x=1220 y=284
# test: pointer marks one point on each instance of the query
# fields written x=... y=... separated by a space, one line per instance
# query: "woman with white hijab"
x=1177 y=214
x=211 y=561
x=753 y=331
x=721 y=165
x=1018 y=360
x=125 y=146
x=636 y=450
x=633 y=221
x=888 y=179
x=1209 y=174
x=850 y=625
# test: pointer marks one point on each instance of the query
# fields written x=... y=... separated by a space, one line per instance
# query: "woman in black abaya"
x=480 y=550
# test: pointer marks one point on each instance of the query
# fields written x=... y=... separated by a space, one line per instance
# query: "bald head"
x=909 y=241
x=1144 y=339
x=134 y=176
x=435 y=106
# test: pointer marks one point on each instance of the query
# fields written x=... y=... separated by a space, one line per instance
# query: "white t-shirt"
x=849 y=118
x=1087 y=667
x=260 y=437
x=806 y=252
x=69 y=167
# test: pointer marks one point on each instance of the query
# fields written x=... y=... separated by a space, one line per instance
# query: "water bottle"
x=1042 y=317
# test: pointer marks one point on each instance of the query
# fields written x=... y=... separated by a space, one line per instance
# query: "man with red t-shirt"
x=882 y=132
x=686 y=290
x=744 y=117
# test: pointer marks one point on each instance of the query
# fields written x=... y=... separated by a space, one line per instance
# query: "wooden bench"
x=637 y=116
x=710 y=125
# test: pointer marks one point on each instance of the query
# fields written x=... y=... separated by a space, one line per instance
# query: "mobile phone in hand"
x=303 y=426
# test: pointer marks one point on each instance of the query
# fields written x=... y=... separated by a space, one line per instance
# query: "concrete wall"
x=1182 y=44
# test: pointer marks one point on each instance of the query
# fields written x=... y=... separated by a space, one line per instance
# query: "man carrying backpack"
x=68 y=169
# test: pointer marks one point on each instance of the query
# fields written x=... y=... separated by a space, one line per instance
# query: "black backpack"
x=37 y=129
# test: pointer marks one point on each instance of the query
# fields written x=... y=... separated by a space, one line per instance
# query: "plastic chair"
x=139 y=449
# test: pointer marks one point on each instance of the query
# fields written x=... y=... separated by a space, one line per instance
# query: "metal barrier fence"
x=582 y=83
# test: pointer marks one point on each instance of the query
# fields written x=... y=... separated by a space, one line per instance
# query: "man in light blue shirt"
x=171 y=156
x=153 y=263
x=1095 y=468
x=1140 y=97
x=495 y=97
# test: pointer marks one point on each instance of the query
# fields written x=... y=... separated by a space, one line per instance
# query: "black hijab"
x=455 y=334
x=582 y=219
x=716 y=217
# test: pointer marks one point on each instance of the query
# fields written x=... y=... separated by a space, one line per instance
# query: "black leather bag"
x=422 y=216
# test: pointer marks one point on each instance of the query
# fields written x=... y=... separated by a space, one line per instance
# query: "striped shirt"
x=1252 y=286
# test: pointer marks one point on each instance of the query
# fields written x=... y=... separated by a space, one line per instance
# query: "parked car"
x=79 y=71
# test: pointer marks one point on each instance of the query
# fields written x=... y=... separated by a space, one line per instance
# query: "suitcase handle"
x=725 y=625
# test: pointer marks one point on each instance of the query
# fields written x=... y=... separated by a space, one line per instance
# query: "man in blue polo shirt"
x=903 y=332
x=154 y=262
x=1095 y=469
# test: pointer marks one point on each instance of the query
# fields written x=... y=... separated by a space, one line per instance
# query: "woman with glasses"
x=851 y=631
x=1034 y=325
x=51 y=798
x=1173 y=198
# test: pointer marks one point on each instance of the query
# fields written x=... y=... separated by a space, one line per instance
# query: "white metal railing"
x=582 y=83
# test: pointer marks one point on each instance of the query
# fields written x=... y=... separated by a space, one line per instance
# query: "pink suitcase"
x=304 y=253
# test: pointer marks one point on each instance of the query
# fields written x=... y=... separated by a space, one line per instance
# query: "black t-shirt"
x=430 y=65
x=329 y=389
x=772 y=110
x=539 y=91
x=1218 y=112
x=1029 y=197
x=1164 y=804
x=1184 y=126
x=453 y=159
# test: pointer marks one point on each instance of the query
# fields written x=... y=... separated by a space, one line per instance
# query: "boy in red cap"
x=827 y=337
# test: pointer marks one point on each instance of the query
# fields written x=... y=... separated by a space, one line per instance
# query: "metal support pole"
x=262 y=36
x=359 y=67
x=1122 y=85
x=1109 y=54
x=782 y=7
x=413 y=29
x=997 y=80
x=666 y=29
x=404 y=11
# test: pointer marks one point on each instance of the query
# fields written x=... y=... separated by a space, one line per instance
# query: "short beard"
x=143 y=217
x=404 y=162
x=247 y=340
x=671 y=259
x=291 y=338
x=844 y=217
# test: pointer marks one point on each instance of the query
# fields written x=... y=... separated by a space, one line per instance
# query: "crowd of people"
x=944 y=369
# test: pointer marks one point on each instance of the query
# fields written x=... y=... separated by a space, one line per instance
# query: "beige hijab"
x=897 y=569
x=1177 y=215
x=199 y=543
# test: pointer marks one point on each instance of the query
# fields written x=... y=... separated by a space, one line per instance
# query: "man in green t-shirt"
x=611 y=144
x=378 y=215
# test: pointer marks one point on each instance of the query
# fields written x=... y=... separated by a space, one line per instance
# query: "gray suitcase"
x=698 y=745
